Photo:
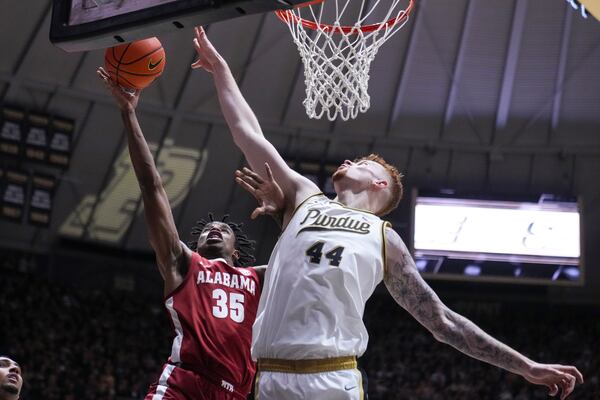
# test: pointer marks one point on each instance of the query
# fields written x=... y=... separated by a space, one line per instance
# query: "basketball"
x=135 y=65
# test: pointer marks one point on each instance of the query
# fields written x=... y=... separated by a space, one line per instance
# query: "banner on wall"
x=59 y=152
x=40 y=203
x=14 y=193
x=37 y=137
x=11 y=131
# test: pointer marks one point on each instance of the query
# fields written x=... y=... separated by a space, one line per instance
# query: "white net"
x=578 y=6
x=337 y=41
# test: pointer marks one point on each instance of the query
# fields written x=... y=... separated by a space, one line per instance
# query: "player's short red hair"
x=396 y=188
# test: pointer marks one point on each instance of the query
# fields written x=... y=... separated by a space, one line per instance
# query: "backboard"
x=79 y=25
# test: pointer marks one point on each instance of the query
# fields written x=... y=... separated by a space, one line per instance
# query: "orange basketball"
x=135 y=65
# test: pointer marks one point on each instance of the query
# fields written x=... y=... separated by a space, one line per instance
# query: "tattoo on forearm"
x=412 y=293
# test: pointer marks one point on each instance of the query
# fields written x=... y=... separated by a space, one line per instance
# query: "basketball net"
x=578 y=6
x=337 y=57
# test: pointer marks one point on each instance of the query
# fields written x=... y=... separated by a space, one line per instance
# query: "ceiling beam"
x=560 y=74
x=510 y=68
x=25 y=50
x=453 y=93
x=401 y=81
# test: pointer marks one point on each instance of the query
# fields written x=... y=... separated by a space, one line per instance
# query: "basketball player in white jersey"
x=327 y=263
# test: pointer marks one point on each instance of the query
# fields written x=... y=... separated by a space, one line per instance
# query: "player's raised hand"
x=267 y=192
x=558 y=378
x=127 y=100
x=208 y=56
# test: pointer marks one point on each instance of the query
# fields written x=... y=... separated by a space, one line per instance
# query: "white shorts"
x=344 y=384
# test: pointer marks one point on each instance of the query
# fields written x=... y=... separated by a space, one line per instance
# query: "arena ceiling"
x=481 y=95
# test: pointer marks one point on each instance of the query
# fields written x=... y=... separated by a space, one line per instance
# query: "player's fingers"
x=253 y=175
x=572 y=380
x=250 y=181
x=258 y=211
x=102 y=74
x=198 y=64
x=198 y=32
x=107 y=83
x=553 y=390
x=571 y=371
x=102 y=77
x=248 y=178
x=567 y=385
x=202 y=48
x=201 y=32
x=197 y=44
x=202 y=38
x=205 y=43
x=269 y=172
x=246 y=186
x=270 y=210
x=107 y=79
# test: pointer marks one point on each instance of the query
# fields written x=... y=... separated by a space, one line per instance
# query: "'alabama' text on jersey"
x=212 y=313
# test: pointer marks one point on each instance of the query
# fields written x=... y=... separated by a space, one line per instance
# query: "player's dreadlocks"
x=243 y=244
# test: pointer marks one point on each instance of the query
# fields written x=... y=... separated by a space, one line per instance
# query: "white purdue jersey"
x=324 y=267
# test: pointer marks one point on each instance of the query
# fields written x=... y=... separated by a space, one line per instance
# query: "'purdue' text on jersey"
x=324 y=267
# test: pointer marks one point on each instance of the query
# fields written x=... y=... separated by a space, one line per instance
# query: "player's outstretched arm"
x=408 y=288
x=244 y=126
x=170 y=252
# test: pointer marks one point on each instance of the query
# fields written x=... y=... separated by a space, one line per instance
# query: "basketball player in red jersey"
x=11 y=381
x=211 y=302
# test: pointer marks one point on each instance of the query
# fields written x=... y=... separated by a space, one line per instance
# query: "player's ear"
x=235 y=255
x=379 y=184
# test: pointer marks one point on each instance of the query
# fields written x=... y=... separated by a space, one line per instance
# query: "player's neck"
x=360 y=200
x=8 y=396
x=211 y=255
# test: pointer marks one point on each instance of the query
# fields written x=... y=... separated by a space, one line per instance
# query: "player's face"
x=10 y=378
x=216 y=239
x=361 y=174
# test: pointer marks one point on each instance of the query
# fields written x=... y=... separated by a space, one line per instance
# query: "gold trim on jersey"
x=256 y=390
x=307 y=366
x=354 y=209
x=384 y=246
x=360 y=385
x=303 y=202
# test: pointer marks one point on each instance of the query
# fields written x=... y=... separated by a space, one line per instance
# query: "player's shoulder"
x=391 y=236
x=395 y=248
x=311 y=198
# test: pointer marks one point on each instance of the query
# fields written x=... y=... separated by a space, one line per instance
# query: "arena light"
x=498 y=228
x=516 y=240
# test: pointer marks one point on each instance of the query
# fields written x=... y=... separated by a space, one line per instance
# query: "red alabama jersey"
x=212 y=312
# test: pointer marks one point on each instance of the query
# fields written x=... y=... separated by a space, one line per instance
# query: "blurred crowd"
x=111 y=345
x=71 y=345
x=404 y=361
